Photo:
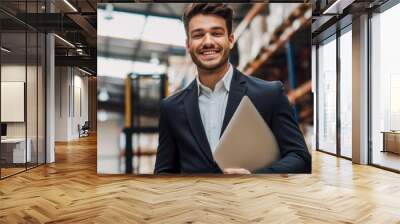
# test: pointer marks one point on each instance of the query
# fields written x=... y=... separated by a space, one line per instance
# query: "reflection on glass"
x=41 y=99
x=385 y=84
x=327 y=96
x=31 y=97
x=345 y=94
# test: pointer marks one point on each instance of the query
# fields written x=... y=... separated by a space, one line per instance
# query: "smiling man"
x=192 y=120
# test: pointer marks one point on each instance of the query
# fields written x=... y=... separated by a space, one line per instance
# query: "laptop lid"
x=247 y=141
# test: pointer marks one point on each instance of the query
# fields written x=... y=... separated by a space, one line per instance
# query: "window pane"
x=385 y=86
x=327 y=96
x=345 y=94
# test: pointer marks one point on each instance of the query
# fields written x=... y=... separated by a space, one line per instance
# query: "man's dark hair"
x=218 y=9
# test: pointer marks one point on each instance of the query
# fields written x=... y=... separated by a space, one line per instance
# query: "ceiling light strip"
x=70 y=5
x=5 y=50
x=337 y=7
x=64 y=40
x=84 y=71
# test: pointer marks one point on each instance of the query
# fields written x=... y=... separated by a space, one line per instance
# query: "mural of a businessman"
x=192 y=120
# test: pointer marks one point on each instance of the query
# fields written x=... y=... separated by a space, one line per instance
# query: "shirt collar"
x=226 y=81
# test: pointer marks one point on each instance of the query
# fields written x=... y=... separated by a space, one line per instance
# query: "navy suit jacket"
x=183 y=145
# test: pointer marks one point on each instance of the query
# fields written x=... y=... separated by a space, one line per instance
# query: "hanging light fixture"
x=109 y=11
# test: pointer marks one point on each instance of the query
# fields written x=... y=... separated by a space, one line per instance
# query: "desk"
x=391 y=141
x=17 y=150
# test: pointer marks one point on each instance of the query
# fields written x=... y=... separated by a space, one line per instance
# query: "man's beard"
x=213 y=67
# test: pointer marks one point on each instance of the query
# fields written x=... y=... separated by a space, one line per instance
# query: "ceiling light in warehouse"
x=109 y=11
x=103 y=95
x=102 y=115
x=148 y=68
x=120 y=68
x=130 y=25
x=158 y=30
x=112 y=67
x=122 y=25
x=154 y=59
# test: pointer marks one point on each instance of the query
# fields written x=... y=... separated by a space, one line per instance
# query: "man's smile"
x=209 y=54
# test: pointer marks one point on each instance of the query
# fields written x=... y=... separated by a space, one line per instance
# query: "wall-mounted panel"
x=12 y=101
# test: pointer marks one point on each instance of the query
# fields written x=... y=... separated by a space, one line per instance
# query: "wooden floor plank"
x=70 y=191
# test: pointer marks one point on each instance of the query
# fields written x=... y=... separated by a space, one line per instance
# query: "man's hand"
x=236 y=171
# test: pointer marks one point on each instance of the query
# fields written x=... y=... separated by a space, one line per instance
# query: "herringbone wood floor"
x=70 y=191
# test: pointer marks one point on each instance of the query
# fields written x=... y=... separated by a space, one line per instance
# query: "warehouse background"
x=141 y=58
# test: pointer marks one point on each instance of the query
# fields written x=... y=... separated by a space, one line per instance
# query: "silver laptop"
x=247 y=141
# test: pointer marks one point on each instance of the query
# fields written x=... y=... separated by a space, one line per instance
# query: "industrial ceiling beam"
x=81 y=61
x=84 y=24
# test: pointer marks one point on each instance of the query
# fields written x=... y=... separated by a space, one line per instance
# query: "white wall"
x=80 y=83
x=62 y=80
x=71 y=94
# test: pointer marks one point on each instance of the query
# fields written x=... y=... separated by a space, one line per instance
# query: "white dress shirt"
x=212 y=105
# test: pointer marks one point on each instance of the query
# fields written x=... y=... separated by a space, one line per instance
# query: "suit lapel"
x=191 y=104
x=237 y=91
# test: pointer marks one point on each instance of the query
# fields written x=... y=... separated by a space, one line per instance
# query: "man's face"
x=208 y=41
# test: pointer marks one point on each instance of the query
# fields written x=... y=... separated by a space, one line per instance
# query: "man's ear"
x=187 y=42
x=231 y=39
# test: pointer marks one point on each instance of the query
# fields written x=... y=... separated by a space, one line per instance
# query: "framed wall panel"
x=12 y=101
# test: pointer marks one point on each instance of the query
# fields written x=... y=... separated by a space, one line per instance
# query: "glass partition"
x=13 y=111
x=41 y=109
x=31 y=97
x=22 y=77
